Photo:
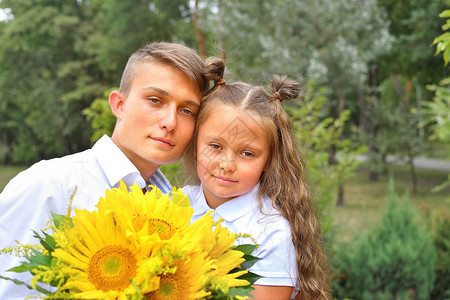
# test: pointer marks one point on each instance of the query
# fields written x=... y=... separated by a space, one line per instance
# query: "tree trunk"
x=372 y=128
x=4 y=148
x=340 y=199
x=412 y=170
x=362 y=109
x=398 y=87
x=419 y=108
x=199 y=33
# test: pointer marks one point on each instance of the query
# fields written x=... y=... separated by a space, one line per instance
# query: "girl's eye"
x=248 y=154
x=215 y=146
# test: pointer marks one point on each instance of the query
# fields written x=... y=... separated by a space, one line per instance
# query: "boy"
x=156 y=106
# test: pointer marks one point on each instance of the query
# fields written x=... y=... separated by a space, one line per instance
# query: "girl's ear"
x=116 y=102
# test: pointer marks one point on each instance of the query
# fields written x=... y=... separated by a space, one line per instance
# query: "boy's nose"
x=169 y=119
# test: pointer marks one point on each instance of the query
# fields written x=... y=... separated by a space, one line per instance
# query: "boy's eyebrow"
x=167 y=94
x=192 y=103
x=156 y=89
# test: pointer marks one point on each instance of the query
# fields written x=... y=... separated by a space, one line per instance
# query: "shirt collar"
x=230 y=210
x=115 y=164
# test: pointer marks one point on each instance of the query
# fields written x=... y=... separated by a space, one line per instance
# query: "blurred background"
x=373 y=120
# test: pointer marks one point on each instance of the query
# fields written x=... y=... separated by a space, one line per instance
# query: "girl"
x=246 y=167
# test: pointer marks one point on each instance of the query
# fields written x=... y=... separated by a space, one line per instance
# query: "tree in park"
x=438 y=110
x=58 y=56
x=402 y=75
x=315 y=38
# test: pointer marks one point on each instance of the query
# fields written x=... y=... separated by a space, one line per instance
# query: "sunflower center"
x=171 y=286
x=161 y=227
x=111 y=268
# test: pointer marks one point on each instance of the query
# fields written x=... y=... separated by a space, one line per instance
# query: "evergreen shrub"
x=394 y=260
x=441 y=289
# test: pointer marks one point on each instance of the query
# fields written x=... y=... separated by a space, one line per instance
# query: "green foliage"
x=441 y=289
x=100 y=115
x=58 y=56
x=413 y=24
x=438 y=110
x=397 y=124
x=394 y=260
x=442 y=42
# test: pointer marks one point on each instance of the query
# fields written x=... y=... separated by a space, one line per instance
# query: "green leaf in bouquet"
x=48 y=243
x=250 y=260
x=243 y=291
x=232 y=293
x=39 y=259
x=18 y=282
x=35 y=260
x=245 y=248
x=250 y=277
x=60 y=221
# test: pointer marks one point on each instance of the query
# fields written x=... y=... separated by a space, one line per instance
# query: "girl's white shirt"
x=267 y=228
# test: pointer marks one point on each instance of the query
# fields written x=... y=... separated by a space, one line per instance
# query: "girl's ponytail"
x=214 y=71
x=293 y=197
x=284 y=88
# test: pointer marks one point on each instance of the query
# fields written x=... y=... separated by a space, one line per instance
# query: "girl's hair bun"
x=283 y=88
x=215 y=69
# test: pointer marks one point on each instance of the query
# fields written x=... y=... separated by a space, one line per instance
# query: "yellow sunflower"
x=103 y=263
x=215 y=242
x=183 y=278
x=152 y=210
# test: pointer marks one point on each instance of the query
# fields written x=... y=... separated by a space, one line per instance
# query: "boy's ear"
x=116 y=102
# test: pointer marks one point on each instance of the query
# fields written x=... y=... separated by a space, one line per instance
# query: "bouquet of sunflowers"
x=139 y=246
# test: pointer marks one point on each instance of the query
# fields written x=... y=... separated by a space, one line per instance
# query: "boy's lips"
x=163 y=141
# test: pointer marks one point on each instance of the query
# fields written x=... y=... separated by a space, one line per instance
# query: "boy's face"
x=156 y=120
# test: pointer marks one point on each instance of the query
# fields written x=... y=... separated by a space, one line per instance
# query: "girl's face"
x=232 y=151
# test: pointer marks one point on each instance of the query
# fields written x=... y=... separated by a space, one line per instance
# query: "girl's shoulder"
x=268 y=215
x=194 y=192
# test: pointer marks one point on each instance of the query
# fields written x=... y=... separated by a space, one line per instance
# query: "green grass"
x=365 y=200
x=8 y=172
x=439 y=150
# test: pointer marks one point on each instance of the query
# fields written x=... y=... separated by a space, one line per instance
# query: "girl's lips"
x=224 y=180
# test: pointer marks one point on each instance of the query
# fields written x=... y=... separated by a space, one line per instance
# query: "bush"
x=441 y=289
x=394 y=260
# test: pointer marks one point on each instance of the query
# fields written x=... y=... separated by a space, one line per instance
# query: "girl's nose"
x=227 y=162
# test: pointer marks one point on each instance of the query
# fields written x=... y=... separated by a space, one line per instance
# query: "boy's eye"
x=187 y=112
x=154 y=100
x=248 y=154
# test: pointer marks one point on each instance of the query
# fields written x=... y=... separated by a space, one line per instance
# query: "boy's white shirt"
x=26 y=203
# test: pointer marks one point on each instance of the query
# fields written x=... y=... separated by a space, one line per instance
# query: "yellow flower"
x=152 y=210
x=184 y=279
x=101 y=259
x=216 y=244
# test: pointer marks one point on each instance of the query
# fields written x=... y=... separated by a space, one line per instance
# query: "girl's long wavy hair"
x=285 y=179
